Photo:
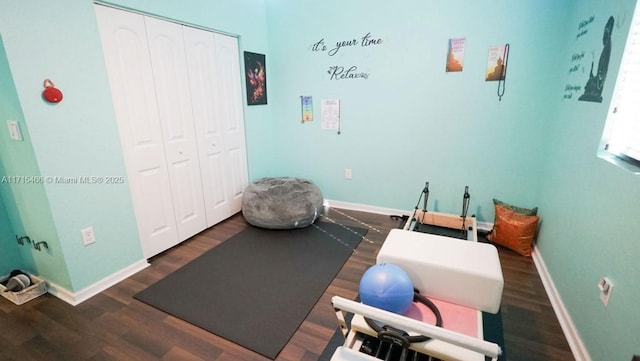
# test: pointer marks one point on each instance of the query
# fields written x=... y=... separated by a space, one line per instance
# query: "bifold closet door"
x=178 y=100
x=171 y=77
x=214 y=77
x=232 y=119
x=124 y=41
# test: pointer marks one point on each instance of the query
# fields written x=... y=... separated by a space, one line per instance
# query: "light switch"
x=14 y=130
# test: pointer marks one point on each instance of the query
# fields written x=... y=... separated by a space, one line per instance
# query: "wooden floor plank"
x=115 y=326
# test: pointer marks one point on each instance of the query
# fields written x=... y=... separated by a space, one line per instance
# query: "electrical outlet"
x=14 y=130
x=347 y=173
x=606 y=288
x=88 y=236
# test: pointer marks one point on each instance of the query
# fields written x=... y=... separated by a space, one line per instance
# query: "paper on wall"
x=330 y=113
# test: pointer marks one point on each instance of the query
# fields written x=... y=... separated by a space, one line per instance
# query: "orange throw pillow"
x=513 y=230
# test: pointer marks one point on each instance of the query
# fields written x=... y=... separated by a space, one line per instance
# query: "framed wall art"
x=497 y=63
x=256 y=78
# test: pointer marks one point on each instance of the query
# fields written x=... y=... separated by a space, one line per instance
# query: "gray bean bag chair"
x=282 y=203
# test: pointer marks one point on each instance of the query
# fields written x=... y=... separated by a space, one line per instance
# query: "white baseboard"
x=365 y=208
x=92 y=290
x=578 y=349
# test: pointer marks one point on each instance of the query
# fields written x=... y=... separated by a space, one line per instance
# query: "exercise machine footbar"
x=483 y=347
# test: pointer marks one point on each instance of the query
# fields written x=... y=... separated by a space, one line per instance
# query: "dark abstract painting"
x=256 y=78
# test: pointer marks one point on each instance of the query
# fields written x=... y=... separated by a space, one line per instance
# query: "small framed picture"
x=256 y=78
x=497 y=63
x=455 y=55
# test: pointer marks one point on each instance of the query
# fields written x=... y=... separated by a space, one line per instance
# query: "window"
x=620 y=142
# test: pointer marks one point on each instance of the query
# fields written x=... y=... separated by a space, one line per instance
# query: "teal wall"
x=411 y=121
x=10 y=257
x=76 y=137
x=590 y=207
x=25 y=208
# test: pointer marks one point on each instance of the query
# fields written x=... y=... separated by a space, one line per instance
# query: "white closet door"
x=232 y=118
x=128 y=66
x=166 y=46
x=214 y=76
x=204 y=79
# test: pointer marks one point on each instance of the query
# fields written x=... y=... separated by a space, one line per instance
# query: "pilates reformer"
x=461 y=277
x=422 y=217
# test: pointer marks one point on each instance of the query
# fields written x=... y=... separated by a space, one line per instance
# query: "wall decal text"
x=364 y=41
x=342 y=72
x=576 y=69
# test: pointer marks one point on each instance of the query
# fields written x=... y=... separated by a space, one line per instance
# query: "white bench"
x=458 y=271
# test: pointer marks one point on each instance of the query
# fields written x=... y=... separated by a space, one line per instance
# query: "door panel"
x=168 y=62
x=216 y=166
x=232 y=118
x=128 y=66
x=210 y=108
x=159 y=209
x=237 y=170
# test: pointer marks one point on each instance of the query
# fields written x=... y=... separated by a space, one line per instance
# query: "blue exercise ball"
x=388 y=287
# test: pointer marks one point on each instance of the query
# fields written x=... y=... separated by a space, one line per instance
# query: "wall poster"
x=307 y=108
x=589 y=62
x=330 y=113
x=455 y=55
x=256 y=78
x=497 y=63
x=597 y=76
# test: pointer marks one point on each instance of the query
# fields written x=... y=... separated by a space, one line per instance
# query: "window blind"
x=624 y=137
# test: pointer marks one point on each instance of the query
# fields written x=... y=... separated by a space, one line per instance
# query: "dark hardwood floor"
x=114 y=326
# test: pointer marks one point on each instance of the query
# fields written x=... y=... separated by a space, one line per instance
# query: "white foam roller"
x=458 y=271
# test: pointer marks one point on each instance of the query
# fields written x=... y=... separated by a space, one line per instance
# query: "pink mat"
x=454 y=317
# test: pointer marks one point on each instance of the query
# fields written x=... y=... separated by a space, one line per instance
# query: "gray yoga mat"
x=257 y=287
